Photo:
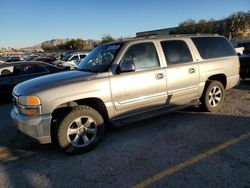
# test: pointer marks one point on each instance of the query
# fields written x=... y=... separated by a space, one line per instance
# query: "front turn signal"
x=29 y=100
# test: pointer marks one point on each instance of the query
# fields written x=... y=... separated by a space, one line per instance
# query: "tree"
x=239 y=25
x=236 y=26
x=74 y=44
x=188 y=22
x=107 y=38
x=47 y=47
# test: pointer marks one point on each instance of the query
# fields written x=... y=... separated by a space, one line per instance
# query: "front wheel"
x=213 y=96
x=81 y=130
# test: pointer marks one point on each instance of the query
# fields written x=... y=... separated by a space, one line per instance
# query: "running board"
x=128 y=119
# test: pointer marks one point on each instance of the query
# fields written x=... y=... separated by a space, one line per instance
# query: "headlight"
x=29 y=105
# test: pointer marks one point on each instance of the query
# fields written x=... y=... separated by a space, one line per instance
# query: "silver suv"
x=122 y=82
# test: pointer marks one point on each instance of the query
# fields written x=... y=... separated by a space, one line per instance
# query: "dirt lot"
x=187 y=148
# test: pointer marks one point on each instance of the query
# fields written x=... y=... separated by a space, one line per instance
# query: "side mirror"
x=126 y=66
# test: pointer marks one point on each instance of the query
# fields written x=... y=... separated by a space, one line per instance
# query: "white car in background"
x=71 y=60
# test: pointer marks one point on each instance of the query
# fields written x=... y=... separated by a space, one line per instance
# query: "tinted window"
x=31 y=69
x=66 y=58
x=142 y=55
x=176 y=51
x=212 y=47
x=82 y=56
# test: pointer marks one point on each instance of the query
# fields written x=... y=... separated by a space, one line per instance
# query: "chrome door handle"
x=191 y=70
x=159 y=76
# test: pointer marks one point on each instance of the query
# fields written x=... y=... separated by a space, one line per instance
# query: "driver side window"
x=143 y=56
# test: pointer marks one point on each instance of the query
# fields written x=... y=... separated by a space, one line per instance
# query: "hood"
x=51 y=81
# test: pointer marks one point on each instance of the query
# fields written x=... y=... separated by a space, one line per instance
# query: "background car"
x=14 y=73
x=244 y=66
x=2 y=59
x=13 y=59
x=46 y=59
x=244 y=58
x=71 y=60
x=31 y=57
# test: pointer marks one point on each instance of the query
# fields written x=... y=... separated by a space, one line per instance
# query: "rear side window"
x=176 y=51
x=82 y=56
x=213 y=47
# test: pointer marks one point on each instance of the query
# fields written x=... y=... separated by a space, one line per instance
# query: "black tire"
x=80 y=130
x=213 y=96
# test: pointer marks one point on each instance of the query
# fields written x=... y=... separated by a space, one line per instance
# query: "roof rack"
x=151 y=35
x=147 y=35
x=197 y=34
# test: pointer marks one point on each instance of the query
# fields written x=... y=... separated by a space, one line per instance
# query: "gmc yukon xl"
x=122 y=82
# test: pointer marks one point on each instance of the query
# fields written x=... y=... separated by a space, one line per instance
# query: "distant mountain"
x=52 y=42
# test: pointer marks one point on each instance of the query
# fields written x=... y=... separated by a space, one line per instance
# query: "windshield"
x=100 y=59
x=67 y=57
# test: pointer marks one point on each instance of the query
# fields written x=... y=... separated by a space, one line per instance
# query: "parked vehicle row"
x=46 y=59
x=13 y=59
x=71 y=60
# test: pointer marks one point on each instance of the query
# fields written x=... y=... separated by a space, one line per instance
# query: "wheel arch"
x=218 y=77
x=94 y=103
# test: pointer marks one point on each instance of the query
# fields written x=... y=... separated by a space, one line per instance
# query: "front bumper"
x=36 y=127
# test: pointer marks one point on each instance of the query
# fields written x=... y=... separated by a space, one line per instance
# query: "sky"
x=25 y=23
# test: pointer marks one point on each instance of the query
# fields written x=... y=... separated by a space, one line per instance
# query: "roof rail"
x=148 y=35
x=197 y=34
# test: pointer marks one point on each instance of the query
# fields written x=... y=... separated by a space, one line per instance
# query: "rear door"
x=182 y=72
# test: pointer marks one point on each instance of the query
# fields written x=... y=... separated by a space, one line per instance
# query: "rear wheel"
x=213 y=96
x=81 y=130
